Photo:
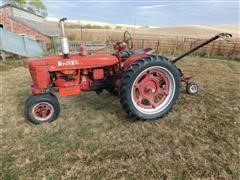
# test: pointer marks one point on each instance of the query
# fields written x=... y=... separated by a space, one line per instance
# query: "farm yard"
x=93 y=138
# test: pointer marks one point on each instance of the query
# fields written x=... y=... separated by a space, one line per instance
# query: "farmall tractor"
x=148 y=85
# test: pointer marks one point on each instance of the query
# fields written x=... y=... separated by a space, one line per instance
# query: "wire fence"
x=176 y=47
x=167 y=46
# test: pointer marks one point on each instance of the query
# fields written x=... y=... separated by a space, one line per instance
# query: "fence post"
x=210 y=51
x=182 y=44
x=236 y=51
x=221 y=50
x=175 y=47
x=233 y=50
x=158 y=45
x=1 y=46
x=192 y=45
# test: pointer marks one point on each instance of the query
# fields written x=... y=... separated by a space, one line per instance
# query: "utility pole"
x=81 y=34
x=135 y=20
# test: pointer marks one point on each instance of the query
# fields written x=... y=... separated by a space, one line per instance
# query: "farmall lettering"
x=67 y=63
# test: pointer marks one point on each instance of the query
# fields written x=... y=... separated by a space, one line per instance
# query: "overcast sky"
x=154 y=13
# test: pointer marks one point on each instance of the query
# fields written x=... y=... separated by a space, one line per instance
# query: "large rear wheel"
x=150 y=87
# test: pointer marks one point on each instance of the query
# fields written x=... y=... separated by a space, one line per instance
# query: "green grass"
x=93 y=138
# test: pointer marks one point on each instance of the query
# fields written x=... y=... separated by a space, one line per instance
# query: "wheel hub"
x=42 y=111
x=193 y=88
x=148 y=87
x=150 y=90
x=153 y=89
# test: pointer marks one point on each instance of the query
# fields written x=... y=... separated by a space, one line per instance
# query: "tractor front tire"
x=43 y=108
x=150 y=87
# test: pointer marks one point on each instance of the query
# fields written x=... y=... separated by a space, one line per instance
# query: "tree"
x=35 y=6
x=18 y=3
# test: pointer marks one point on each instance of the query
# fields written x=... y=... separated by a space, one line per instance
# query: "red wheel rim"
x=153 y=89
x=42 y=111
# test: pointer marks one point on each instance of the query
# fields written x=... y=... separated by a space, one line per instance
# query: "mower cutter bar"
x=221 y=35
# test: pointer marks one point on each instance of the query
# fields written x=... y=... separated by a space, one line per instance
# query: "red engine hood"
x=75 y=61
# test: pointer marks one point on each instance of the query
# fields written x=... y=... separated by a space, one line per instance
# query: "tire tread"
x=127 y=78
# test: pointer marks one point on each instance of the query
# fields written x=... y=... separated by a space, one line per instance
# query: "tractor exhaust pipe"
x=63 y=39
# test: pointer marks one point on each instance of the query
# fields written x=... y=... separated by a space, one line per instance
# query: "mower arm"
x=221 y=35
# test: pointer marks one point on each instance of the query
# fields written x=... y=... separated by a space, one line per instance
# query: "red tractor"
x=148 y=85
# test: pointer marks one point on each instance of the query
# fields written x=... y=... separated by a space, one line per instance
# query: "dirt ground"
x=93 y=138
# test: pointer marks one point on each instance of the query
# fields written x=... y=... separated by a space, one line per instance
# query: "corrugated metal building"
x=22 y=22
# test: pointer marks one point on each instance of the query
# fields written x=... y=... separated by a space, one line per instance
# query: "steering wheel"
x=127 y=38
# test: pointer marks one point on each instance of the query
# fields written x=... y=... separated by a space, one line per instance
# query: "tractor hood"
x=74 y=61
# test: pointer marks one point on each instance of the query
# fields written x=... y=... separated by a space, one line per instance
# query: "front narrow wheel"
x=150 y=87
x=43 y=108
x=192 y=88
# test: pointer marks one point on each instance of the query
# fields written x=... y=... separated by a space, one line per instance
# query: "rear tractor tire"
x=43 y=108
x=150 y=87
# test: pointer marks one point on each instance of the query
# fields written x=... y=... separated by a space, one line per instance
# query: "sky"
x=148 y=12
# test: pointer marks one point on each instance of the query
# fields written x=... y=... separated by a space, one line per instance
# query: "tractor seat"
x=144 y=51
x=126 y=54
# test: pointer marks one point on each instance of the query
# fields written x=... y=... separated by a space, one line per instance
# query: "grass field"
x=93 y=138
x=190 y=31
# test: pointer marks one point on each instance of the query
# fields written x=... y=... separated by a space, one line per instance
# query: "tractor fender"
x=132 y=59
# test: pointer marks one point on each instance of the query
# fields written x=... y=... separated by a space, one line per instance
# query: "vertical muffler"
x=63 y=39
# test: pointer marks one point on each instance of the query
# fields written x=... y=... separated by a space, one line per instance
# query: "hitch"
x=224 y=36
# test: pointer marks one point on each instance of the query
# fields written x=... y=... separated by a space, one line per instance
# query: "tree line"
x=35 y=6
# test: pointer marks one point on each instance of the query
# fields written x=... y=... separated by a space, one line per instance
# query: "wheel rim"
x=153 y=90
x=193 y=89
x=42 y=111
